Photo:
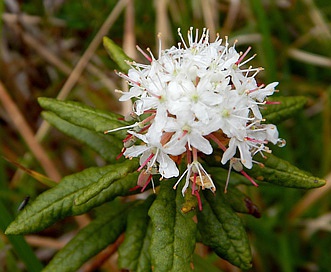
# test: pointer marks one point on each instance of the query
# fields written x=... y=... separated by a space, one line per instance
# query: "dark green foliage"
x=108 y=146
x=281 y=172
x=161 y=230
x=134 y=251
x=173 y=232
x=222 y=230
x=288 y=106
x=103 y=231
x=59 y=202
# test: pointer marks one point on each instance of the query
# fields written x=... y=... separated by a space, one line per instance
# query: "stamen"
x=227 y=179
x=120 y=128
x=195 y=154
x=147 y=182
x=248 y=60
x=144 y=54
x=181 y=177
x=181 y=37
x=243 y=55
x=121 y=154
x=255 y=123
x=226 y=43
x=184 y=133
x=256 y=70
x=202 y=39
x=259 y=69
x=256 y=140
x=273 y=102
x=256 y=89
x=196 y=35
x=126 y=77
x=244 y=118
x=190 y=36
x=166 y=136
x=146 y=161
x=188 y=156
x=160 y=44
x=150 y=52
x=236 y=165
x=217 y=141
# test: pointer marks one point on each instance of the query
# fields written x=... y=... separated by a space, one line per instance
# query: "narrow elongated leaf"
x=100 y=233
x=58 y=202
x=84 y=116
x=38 y=176
x=222 y=230
x=281 y=172
x=238 y=201
x=107 y=146
x=144 y=261
x=131 y=254
x=117 y=54
x=95 y=189
x=241 y=203
x=173 y=232
x=288 y=106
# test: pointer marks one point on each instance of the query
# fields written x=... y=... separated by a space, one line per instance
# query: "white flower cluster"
x=190 y=95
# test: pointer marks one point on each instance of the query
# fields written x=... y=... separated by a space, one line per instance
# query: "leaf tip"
x=317 y=182
x=40 y=100
x=107 y=43
x=12 y=229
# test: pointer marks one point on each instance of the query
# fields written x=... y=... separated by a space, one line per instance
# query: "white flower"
x=152 y=155
x=232 y=115
x=187 y=132
x=245 y=155
x=196 y=174
x=191 y=94
x=262 y=93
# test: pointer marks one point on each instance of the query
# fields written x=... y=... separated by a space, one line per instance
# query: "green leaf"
x=58 y=202
x=279 y=112
x=84 y=116
x=101 y=232
x=94 y=190
x=238 y=201
x=173 y=232
x=117 y=54
x=107 y=146
x=281 y=172
x=222 y=230
x=241 y=203
x=133 y=254
x=144 y=262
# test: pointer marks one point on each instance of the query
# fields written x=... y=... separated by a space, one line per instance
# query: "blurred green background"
x=53 y=49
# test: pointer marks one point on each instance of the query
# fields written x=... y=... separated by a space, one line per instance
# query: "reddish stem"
x=249 y=178
x=199 y=200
